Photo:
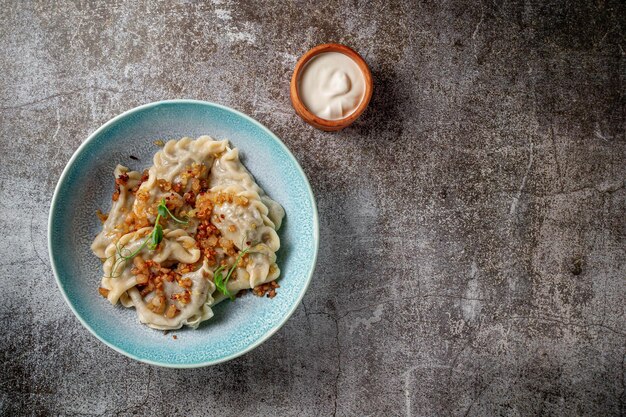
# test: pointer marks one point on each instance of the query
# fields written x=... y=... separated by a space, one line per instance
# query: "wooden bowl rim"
x=304 y=112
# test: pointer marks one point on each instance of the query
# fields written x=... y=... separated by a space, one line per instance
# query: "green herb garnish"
x=219 y=280
x=164 y=212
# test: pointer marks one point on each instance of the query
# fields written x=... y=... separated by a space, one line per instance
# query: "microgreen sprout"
x=219 y=280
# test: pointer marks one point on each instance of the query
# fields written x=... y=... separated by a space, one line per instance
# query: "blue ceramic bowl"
x=86 y=185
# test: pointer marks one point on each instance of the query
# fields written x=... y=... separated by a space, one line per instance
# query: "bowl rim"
x=53 y=210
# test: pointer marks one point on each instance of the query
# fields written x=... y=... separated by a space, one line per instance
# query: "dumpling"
x=242 y=217
x=227 y=170
x=123 y=198
x=191 y=312
x=176 y=246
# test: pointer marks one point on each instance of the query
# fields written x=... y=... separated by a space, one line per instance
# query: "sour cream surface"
x=331 y=86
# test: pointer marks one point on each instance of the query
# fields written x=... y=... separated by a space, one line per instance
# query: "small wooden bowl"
x=298 y=105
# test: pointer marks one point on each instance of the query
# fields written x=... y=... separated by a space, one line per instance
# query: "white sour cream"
x=331 y=86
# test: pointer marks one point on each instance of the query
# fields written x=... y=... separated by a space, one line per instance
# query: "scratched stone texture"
x=473 y=221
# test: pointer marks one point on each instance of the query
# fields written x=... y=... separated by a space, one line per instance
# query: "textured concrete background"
x=473 y=222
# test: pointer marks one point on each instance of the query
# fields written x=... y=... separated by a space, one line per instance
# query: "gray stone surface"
x=473 y=221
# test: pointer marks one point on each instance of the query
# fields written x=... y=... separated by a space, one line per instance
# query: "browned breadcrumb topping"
x=204 y=206
x=268 y=289
x=174 y=337
x=102 y=216
x=158 y=303
x=207 y=238
x=145 y=174
x=163 y=185
x=194 y=173
x=196 y=184
x=171 y=311
x=120 y=181
x=177 y=187
x=142 y=195
x=190 y=198
x=130 y=224
x=221 y=198
x=243 y=262
x=173 y=202
x=183 y=297
x=185 y=268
